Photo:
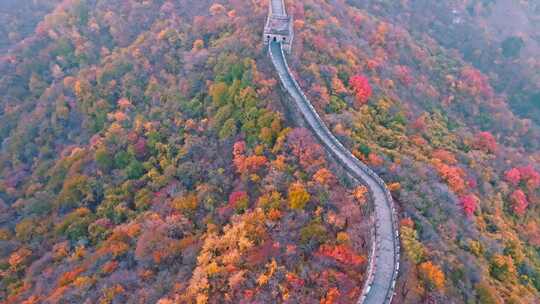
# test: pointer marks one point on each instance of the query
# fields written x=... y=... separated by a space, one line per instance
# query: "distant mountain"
x=19 y=18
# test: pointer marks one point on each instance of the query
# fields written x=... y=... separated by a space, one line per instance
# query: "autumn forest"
x=149 y=154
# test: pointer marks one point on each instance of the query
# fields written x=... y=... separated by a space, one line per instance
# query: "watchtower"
x=279 y=26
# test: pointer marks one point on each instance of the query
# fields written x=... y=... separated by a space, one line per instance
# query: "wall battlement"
x=279 y=26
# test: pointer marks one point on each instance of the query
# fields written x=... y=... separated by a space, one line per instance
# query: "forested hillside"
x=147 y=155
x=499 y=37
x=18 y=19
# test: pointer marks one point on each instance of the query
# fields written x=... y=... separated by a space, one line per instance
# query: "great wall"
x=383 y=264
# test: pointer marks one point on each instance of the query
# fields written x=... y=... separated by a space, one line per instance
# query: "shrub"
x=313 y=232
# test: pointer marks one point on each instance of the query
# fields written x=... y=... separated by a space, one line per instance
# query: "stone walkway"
x=384 y=260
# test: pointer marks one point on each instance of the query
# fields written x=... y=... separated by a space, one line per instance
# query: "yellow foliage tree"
x=298 y=196
x=412 y=247
x=187 y=204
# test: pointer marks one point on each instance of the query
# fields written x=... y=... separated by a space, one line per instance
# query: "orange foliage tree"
x=324 y=177
x=454 y=176
x=432 y=275
x=246 y=164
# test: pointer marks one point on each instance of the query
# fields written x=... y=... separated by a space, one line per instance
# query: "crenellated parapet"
x=279 y=25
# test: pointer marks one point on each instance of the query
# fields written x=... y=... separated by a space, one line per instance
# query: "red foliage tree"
x=486 y=141
x=239 y=148
x=528 y=172
x=476 y=82
x=472 y=183
x=246 y=164
x=407 y=222
x=469 y=203
x=342 y=254
x=362 y=89
x=294 y=280
x=531 y=176
x=513 y=176
x=375 y=160
x=519 y=202
x=419 y=124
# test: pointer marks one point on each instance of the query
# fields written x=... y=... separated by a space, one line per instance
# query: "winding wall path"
x=383 y=264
